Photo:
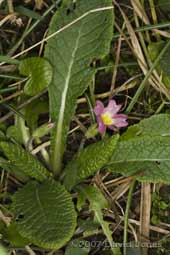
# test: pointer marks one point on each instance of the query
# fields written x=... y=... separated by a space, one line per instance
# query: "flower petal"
x=101 y=126
x=123 y=116
x=112 y=107
x=120 y=120
x=98 y=109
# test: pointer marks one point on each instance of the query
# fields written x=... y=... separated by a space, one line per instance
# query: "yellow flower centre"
x=106 y=118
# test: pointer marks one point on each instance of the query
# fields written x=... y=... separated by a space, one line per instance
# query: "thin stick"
x=148 y=28
x=8 y=17
x=5 y=219
x=115 y=67
x=1 y=1
x=151 y=227
x=16 y=94
x=145 y=214
x=10 y=6
x=29 y=250
x=126 y=216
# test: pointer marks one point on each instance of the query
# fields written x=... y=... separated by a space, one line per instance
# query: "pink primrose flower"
x=108 y=117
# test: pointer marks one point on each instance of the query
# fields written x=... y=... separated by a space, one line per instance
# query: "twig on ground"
x=145 y=214
x=29 y=250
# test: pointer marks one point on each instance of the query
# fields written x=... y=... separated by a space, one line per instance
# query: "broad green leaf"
x=71 y=52
x=3 y=250
x=24 y=161
x=156 y=125
x=12 y=132
x=97 y=203
x=5 y=164
x=78 y=247
x=146 y=156
x=8 y=166
x=88 y=161
x=44 y=214
x=39 y=73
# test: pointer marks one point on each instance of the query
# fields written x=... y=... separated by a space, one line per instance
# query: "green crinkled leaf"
x=139 y=139
x=71 y=53
x=146 y=156
x=3 y=250
x=24 y=161
x=97 y=203
x=39 y=73
x=7 y=166
x=4 y=164
x=45 y=214
x=88 y=161
x=156 y=125
x=12 y=132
